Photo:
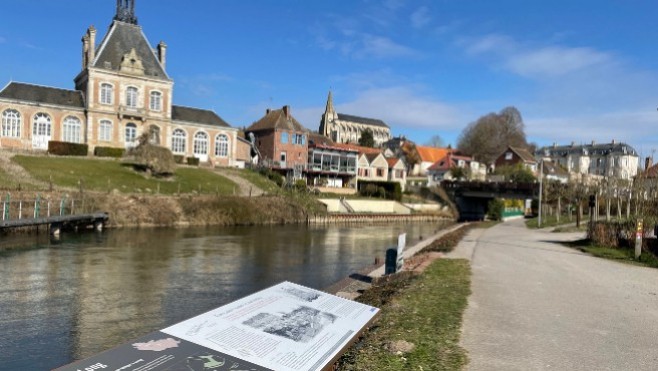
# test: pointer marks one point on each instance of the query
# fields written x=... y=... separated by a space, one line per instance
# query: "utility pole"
x=541 y=176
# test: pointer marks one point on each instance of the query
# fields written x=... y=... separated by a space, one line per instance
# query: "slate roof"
x=197 y=115
x=276 y=119
x=551 y=168
x=120 y=40
x=362 y=120
x=42 y=94
x=588 y=149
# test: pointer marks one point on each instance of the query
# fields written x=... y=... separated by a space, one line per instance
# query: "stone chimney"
x=286 y=111
x=648 y=162
x=92 y=44
x=162 y=54
x=85 y=50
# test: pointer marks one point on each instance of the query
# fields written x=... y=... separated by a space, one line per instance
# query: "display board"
x=286 y=327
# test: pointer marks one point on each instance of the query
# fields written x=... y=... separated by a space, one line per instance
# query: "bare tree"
x=490 y=135
x=435 y=141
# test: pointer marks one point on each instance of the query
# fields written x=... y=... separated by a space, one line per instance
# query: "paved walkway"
x=537 y=305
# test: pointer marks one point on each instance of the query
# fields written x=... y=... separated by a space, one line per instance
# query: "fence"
x=40 y=207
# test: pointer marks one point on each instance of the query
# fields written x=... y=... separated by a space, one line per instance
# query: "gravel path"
x=537 y=305
x=245 y=187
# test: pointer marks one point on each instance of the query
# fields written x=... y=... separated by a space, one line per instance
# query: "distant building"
x=122 y=91
x=343 y=128
x=331 y=165
x=515 y=155
x=428 y=157
x=614 y=159
x=397 y=172
x=281 y=141
x=443 y=169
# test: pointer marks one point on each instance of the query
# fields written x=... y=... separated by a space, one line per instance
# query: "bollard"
x=20 y=209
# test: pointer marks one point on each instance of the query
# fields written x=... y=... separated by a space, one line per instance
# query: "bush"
x=109 y=152
x=495 y=209
x=387 y=190
x=193 y=161
x=179 y=159
x=300 y=185
x=67 y=149
x=273 y=176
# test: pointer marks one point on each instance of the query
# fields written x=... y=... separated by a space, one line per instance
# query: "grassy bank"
x=419 y=326
x=620 y=254
x=551 y=221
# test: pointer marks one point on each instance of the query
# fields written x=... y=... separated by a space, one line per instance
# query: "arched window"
x=71 y=130
x=178 y=139
x=131 y=97
x=156 y=101
x=221 y=146
x=105 y=131
x=201 y=143
x=107 y=92
x=42 y=125
x=131 y=135
x=11 y=124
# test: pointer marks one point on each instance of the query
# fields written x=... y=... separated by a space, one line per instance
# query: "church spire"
x=330 y=104
x=126 y=11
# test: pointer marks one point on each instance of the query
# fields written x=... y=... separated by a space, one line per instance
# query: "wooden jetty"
x=56 y=223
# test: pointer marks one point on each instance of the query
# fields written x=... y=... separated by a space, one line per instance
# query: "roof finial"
x=126 y=11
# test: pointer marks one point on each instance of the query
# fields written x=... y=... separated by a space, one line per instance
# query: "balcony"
x=132 y=113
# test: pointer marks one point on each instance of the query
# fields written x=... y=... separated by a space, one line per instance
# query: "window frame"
x=155 y=99
x=105 y=130
x=106 y=97
x=221 y=145
x=132 y=96
x=199 y=143
x=71 y=130
x=11 y=126
x=130 y=128
x=178 y=142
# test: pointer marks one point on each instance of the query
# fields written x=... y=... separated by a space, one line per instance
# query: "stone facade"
x=343 y=128
x=122 y=91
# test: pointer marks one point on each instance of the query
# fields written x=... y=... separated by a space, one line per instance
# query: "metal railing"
x=40 y=207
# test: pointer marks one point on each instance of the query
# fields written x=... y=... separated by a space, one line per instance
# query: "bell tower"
x=126 y=11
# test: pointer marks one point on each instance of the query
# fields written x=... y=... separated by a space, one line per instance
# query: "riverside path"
x=537 y=305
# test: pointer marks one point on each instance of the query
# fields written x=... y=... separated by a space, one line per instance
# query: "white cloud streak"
x=420 y=17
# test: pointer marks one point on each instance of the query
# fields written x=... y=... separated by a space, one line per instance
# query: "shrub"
x=193 y=161
x=179 y=159
x=67 y=149
x=388 y=190
x=300 y=185
x=109 y=152
x=495 y=209
x=273 y=176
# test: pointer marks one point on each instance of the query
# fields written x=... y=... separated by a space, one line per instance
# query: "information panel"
x=285 y=327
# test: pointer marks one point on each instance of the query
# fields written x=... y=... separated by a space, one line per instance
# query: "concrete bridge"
x=472 y=198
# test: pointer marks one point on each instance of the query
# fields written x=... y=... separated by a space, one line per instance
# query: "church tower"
x=126 y=11
x=328 y=118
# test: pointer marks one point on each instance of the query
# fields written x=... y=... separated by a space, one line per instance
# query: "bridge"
x=472 y=198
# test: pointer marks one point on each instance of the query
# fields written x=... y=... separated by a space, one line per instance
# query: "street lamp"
x=541 y=176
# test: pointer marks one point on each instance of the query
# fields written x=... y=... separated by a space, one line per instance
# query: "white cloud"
x=420 y=17
x=556 y=61
x=382 y=47
x=492 y=43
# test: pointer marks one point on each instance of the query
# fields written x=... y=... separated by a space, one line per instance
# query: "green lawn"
x=625 y=255
x=257 y=179
x=107 y=175
x=428 y=314
x=551 y=221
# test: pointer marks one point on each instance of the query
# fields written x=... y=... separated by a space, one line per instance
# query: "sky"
x=578 y=71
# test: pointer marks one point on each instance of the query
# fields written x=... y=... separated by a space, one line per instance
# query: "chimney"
x=648 y=162
x=162 y=54
x=92 y=44
x=85 y=50
x=286 y=111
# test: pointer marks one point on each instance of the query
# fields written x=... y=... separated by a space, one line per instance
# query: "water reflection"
x=66 y=300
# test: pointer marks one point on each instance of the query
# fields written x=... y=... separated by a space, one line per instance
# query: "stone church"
x=122 y=91
x=343 y=128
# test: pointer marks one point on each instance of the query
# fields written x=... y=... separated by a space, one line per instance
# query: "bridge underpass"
x=472 y=198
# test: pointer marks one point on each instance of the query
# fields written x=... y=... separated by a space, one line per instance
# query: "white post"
x=20 y=209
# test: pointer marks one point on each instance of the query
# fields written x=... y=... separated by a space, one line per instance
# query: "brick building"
x=123 y=90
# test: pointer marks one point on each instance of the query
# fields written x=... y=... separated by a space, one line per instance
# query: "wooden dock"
x=56 y=223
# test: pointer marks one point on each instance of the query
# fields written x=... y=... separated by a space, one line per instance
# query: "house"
x=330 y=165
x=397 y=172
x=515 y=155
x=342 y=128
x=554 y=172
x=428 y=157
x=614 y=159
x=281 y=142
x=372 y=167
x=122 y=91
x=443 y=169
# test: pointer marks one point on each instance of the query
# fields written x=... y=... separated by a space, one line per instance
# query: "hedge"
x=387 y=190
x=67 y=149
x=193 y=161
x=109 y=152
x=179 y=159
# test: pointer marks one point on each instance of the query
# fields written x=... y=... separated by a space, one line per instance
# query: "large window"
x=105 y=131
x=131 y=135
x=201 y=143
x=284 y=138
x=178 y=139
x=11 y=124
x=156 y=101
x=71 y=130
x=131 y=97
x=221 y=145
x=42 y=125
x=299 y=139
x=107 y=92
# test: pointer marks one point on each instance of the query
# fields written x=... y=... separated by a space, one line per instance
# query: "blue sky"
x=577 y=70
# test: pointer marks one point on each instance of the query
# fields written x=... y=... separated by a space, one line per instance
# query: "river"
x=65 y=300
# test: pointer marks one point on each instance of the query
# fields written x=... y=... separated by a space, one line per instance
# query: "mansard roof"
x=119 y=41
x=587 y=149
x=42 y=94
x=197 y=115
x=278 y=119
x=362 y=120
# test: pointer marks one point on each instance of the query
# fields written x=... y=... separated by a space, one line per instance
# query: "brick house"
x=514 y=155
x=281 y=141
